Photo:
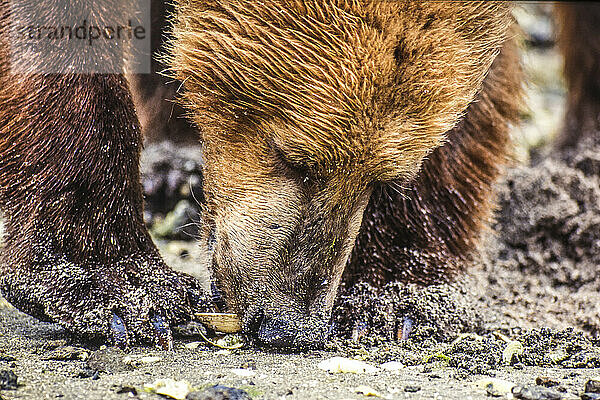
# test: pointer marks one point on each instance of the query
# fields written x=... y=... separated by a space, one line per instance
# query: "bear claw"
x=406 y=329
x=119 y=332
x=163 y=335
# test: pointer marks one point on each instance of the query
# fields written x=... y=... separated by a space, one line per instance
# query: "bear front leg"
x=424 y=234
x=76 y=250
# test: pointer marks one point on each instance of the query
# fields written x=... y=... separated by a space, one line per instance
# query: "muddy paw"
x=135 y=300
x=400 y=312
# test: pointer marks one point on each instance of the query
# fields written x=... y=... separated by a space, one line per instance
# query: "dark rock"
x=190 y=329
x=592 y=386
x=8 y=380
x=108 y=360
x=590 y=396
x=172 y=175
x=545 y=381
x=88 y=373
x=53 y=344
x=219 y=392
x=492 y=392
x=127 y=389
x=535 y=393
x=412 y=389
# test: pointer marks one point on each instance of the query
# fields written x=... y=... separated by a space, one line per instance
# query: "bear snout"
x=289 y=331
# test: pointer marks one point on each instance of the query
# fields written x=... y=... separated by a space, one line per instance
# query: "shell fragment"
x=220 y=322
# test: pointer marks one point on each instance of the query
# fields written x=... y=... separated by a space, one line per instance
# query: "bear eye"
x=298 y=168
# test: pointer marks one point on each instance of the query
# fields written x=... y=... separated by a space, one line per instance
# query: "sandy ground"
x=49 y=366
x=538 y=268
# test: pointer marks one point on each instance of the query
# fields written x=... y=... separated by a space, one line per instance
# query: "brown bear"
x=343 y=141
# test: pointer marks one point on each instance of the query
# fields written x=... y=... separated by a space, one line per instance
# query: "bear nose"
x=289 y=333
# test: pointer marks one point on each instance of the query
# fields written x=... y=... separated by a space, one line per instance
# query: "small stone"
x=494 y=386
x=53 y=344
x=219 y=392
x=367 y=391
x=412 y=389
x=170 y=388
x=512 y=351
x=108 y=360
x=346 y=365
x=88 y=373
x=127 y=389
x=150 y=359
x=535 y=393
x=230 y=342
x=592 y=386
x=67 y=353
x=192 y=345
x=392 y=366
x=545 y=381
x=8 y=380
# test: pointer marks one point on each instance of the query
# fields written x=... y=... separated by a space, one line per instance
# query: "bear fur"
x=343 y=141
x=312 y=113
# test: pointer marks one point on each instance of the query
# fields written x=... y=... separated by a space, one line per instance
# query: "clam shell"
x=220 y=322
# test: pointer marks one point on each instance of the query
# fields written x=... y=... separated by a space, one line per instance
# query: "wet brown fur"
x=324 y=124
x=76 y=249
x=430 y=227
x=306 y=107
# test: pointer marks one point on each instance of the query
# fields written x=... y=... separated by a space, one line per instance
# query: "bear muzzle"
x=287 y=331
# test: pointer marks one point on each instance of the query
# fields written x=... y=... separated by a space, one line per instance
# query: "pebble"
x=150 y=359
x=535 y=393
x=494 y=386
x=67 y=353
x=169 y=388
x=219 y=392
x=367 y=391
x=8 y=380
x=512 y=351
x=345 y=365
x=193 y=345
x=412 y=389
x=545 y=381
x=592 y=386
x=392 y=366
x=128 y=390
x=137 y=361
x=108 y=360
